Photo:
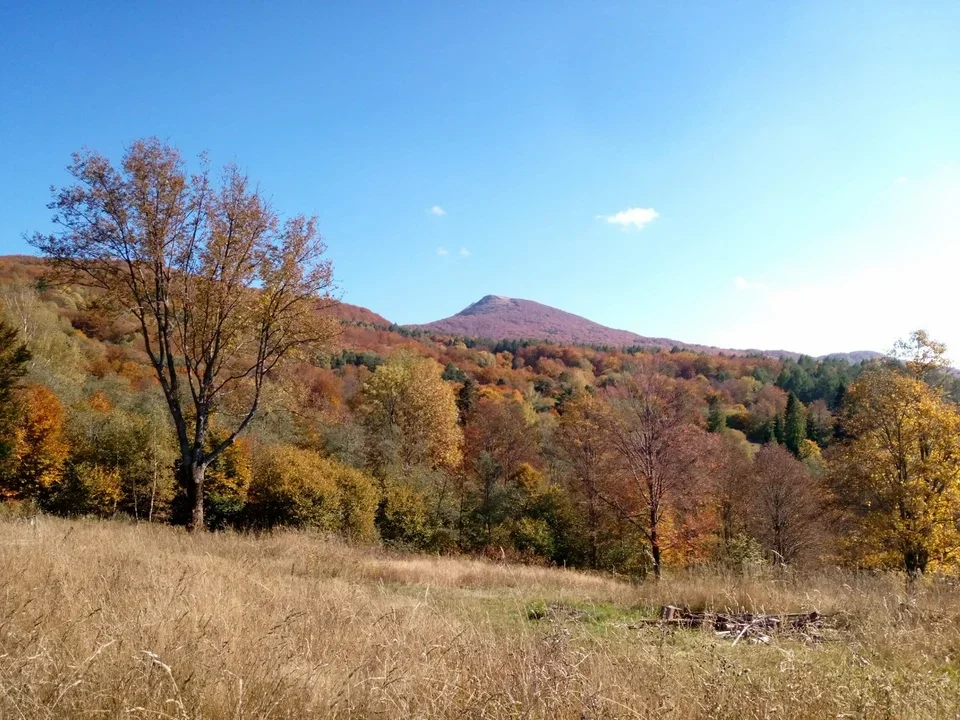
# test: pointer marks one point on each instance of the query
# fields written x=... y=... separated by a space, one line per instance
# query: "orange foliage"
x=40 y=449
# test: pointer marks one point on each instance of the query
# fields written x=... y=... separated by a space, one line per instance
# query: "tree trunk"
x=655 y=550
x=594 y=523
x=915 y=560
x=193 y=478
x=655 y=531
x=153 y=492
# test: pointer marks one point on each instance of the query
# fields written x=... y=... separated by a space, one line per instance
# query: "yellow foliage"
x=230 y=474
x=411 y=413
x=901 y=472
x=298 y=487
x=91 y=490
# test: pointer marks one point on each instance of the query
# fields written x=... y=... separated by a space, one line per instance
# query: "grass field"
x=112 y=620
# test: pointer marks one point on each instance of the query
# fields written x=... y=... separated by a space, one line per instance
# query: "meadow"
x=114 y=619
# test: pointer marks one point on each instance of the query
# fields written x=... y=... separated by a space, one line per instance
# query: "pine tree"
x=716 y=416
x=770 y=433
x=14 y=357
x=466 y=399
x=840 y=396
x=794 y=425
x=778 y=429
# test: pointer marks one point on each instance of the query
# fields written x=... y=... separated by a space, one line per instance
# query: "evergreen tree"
x=451 y=373
x=794 y=425
x=778 y=429
x=840 y=396
x=467 y=399
x=770 y=433
x=716 y=416
x=14 y=357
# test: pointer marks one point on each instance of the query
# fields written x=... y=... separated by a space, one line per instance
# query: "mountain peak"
x=497 y=317
x=488 y=303
x=500 y=317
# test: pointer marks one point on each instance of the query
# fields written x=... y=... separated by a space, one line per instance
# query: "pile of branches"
x=752 y=627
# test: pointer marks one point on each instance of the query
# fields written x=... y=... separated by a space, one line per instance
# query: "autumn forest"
x=177 y=353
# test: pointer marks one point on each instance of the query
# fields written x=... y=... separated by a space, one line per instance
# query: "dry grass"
x=116 y=620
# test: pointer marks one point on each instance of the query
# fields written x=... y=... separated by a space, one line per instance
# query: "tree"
x=820 y=423
x=14 y=357
x=467 y=398
x=716 y=416
x=784 y=505
x=501 y=436
x=898 y=474
x=39 y=447
x=651 y=431
x=134 y=441
x=584 y=446
x=779 y=432
x=411 y=414
x=730 y=487
x=794 y=425
x=923 y=357
x=221 y=290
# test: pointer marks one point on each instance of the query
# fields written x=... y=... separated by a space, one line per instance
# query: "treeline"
x=627 y=462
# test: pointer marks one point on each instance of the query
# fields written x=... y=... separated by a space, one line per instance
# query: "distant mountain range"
x=502 y=318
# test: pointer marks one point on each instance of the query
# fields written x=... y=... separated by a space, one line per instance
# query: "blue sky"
x=741 y=174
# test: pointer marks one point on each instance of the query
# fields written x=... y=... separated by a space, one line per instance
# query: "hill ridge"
x=501 y=317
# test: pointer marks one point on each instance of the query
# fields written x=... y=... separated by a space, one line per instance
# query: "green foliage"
x=794 y=425
x=451 y=373
x=742 y=553
x=467 y=398
x=14 y=357
x=226 y=486
x=716 y=416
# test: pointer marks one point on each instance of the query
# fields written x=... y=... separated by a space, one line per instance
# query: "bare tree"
x=222 y=291
x=730 y=474
x=650 y=429
x=786 y=507
x=582 y=443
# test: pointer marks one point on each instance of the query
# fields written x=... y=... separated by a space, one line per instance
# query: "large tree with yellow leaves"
x=899 y=475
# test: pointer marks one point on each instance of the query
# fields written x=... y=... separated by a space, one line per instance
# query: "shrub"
x=87 y=489
x=359 y=498
x=300 y=488
x=404 y=517
x=293 y=487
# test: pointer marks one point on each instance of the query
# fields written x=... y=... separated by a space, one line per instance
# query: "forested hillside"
x=615 y=459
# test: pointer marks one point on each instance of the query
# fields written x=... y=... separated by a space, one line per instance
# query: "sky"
x=745 y=174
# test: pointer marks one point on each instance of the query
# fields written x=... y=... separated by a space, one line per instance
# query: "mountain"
x=502 y=318
x=498 y=317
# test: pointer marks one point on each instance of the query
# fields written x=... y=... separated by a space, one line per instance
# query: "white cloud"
x=464 y=252
x=900 y=180
x=740 y=283
x=631 y=217
x=442 y=252
x=437 y=210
